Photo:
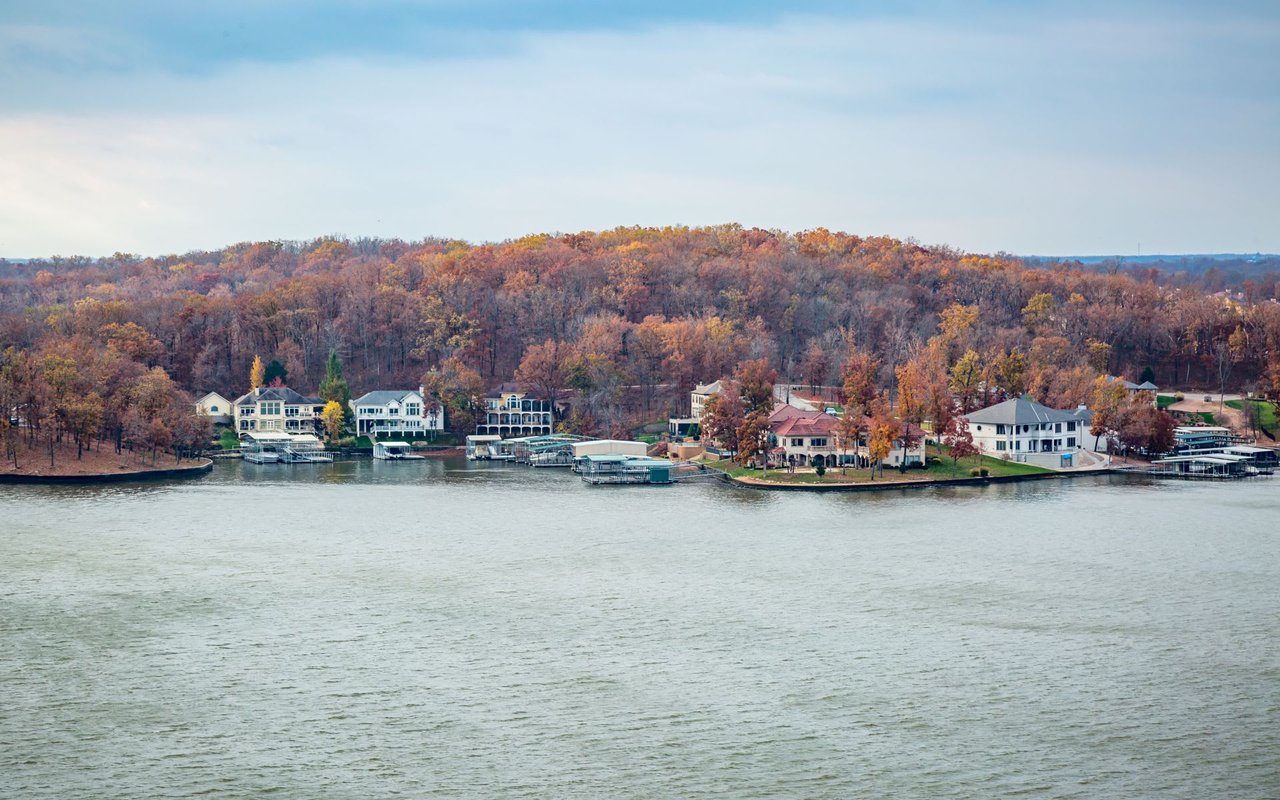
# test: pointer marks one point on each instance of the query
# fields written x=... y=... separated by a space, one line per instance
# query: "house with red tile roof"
x=803 y=437
x=806 y=438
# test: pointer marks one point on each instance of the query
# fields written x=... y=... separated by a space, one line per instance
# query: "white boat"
x=480 y=447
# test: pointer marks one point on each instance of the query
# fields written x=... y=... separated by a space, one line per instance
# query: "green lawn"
x=942 y=469
x=229 y=441
x=1163 y=401
x=1266 y=412
x=832 y=475
x=945 y=468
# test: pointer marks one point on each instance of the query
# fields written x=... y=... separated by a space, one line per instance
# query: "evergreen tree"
x=275 y=374
x=334 y=387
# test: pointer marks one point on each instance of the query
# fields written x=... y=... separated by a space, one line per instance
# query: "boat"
x=480 y=447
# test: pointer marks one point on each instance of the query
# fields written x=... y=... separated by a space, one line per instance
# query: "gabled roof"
x=708 y=388
x=1025 y=411
x=211 y=394
x=1145 y=386
x=282 y=393
x=383 y=396
x=506 y=388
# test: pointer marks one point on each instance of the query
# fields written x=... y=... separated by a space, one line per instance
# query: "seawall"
x=175 y=473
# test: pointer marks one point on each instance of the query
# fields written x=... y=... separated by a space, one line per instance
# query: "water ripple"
x=438 y=629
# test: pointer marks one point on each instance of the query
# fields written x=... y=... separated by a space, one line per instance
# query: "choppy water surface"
x=438 y=629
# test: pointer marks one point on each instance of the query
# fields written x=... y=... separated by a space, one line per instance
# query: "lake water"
x=439 y=629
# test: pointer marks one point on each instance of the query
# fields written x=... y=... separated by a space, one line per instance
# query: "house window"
x=999 y=430
x=413 y=410
x=1071 y=441
x=797 y=442
x=979 y=427
x=1071 y=426
x=1057 y=428
x=999 y=445
x=213 y=409
x=1017 y=445
x=818 y=442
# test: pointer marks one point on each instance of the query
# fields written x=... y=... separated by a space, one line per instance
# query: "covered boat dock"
x=1221 y=466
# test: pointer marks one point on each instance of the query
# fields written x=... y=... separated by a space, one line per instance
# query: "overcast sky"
x=1035 y=128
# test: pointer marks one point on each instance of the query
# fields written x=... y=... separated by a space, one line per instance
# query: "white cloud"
x=985 y=138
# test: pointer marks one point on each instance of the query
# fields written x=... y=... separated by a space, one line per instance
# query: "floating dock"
x=636 y=470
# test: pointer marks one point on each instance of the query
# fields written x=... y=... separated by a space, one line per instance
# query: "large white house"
x=278 y=408
x=1022 y=425
x=700 y=395
x=397 y=412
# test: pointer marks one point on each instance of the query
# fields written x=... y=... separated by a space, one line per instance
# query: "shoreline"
x=194 y=471
x=885 y=486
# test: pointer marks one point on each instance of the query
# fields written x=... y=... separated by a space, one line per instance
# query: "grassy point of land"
x=939 y=469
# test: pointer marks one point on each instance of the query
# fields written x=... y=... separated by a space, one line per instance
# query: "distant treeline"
x=1256 y=275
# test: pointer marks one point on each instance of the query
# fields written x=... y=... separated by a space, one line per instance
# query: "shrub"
x=820 y=468
x=979 y=472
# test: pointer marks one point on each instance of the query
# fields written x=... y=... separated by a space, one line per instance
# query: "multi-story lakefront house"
x=809 y=438
x=397 y=412
x=682 y=426
x=804 y=438
x=1022 y=425
x=509 y=412
x=278 y=408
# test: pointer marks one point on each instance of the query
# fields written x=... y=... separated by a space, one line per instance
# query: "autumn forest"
x=621 y=322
